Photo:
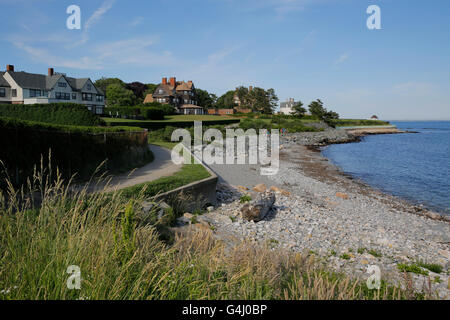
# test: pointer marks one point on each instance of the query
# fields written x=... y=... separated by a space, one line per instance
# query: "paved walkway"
x=162 y=166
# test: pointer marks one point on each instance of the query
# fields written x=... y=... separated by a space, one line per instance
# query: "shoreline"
x=344 y=221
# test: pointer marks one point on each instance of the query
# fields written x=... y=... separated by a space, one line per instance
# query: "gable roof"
x=167 y=90
x=44 y=82
x=149 y=99
x=3 y=82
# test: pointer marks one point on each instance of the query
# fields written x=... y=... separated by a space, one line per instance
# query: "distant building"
x=176 y=93
x=30 y=88
x=374 y=117
x=288 y=106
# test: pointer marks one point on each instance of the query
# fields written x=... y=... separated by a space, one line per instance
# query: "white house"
x=29 y=88
x=287 y=107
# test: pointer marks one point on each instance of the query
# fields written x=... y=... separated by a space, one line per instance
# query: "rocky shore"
x=344 y=222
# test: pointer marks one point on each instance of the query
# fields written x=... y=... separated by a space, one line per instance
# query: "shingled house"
x=180 y=94
x=30 y=88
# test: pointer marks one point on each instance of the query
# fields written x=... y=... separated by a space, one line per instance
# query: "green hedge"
x=151 y=111
x=73 y=149
x=54 y=113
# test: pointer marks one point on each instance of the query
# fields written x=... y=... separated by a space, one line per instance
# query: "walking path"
x=162 y=166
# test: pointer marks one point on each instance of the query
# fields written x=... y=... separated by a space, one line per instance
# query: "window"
x=62 y=84
x=14 y=92
x=74 y=96
x=99 y=98
x=87 y=96
x=2 y=92
x=35 y=93
x=62 y=96
x=161 y=91
x=89 y=86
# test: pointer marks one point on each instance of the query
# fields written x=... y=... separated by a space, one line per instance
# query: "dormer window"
x=160 y=91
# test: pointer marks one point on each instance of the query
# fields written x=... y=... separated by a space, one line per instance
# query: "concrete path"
x=162 y=166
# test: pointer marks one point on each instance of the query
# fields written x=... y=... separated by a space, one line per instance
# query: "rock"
x=364 y=262
x=275 y=189
x=260 y=188
x=258 y=208
x=242 y=188
x=445 y=254
x=342 y=195
x=285 y=193
x=210 y=209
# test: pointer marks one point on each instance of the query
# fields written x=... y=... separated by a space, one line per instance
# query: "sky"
x=304 y=49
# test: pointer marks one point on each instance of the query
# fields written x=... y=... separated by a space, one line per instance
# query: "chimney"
x=164 y=80
x=10 y=68
x=173 y=81
x=50 y=72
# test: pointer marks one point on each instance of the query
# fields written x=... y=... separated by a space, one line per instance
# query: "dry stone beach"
x=318 y=210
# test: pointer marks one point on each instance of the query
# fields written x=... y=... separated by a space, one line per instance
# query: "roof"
x=167 y=88
x=189 y=106
x=44 y=82
x=3 y=82
x=149 y=99
x=184 y=86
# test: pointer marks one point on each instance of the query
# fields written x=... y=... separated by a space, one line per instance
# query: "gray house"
x=30 y=88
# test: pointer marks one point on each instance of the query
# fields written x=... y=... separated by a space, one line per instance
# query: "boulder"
x=260 y=188
x=257 y=209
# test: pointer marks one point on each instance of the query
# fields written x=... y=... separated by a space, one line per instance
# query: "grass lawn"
x=189 y=173
x=173 y=118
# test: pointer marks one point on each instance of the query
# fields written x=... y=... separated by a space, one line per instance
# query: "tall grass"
x=120 y=255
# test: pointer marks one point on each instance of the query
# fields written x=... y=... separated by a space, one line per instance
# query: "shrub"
x=53 y=113
x=153 y=114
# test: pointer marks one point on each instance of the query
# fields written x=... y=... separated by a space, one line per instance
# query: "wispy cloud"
x=93 y=19
x=137 y=21
x=416 y=88
x=341 y=59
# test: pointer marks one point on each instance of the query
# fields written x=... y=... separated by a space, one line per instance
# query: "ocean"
x=412 y=166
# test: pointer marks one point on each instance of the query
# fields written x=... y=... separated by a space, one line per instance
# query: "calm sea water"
x=415 y=167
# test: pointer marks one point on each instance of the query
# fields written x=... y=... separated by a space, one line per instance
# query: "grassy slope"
x=121 y=257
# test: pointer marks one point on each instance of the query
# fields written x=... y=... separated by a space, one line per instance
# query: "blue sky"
x=305 y=49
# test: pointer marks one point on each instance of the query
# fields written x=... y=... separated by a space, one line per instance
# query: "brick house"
x=30 y=88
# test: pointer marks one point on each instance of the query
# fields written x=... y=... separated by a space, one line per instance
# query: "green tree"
x=204 y=98
x=103 y=83
x=299 y=111
x=151 y=87
x=316 y=109
x=226 y=101
x=117 y=95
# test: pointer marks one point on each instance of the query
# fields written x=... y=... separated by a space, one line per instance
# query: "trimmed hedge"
x=152 y=111
x=53 y=113
x=77 y=150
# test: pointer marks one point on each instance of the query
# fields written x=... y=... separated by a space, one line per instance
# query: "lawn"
x=174 y=118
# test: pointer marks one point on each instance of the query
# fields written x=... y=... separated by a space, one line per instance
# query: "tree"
x=205 y=99
x=226 y=101
x=316 y=109
x=151 y=87
x=117 y=95
x=103 y=83
x=299 y=111
x=138 y=89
